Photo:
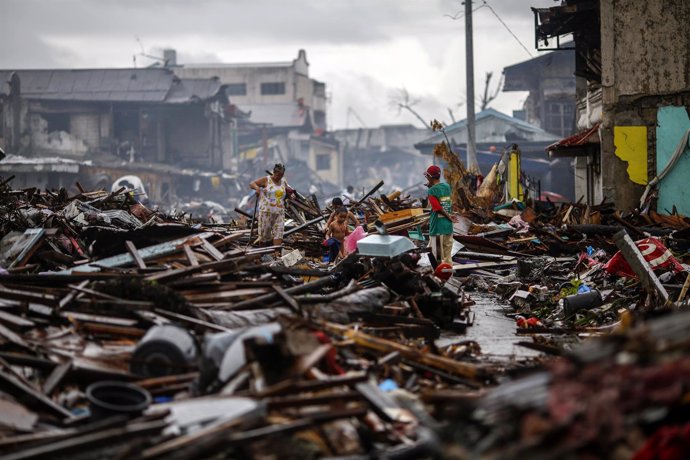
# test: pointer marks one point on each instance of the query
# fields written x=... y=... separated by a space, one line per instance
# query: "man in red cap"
x=440 y=223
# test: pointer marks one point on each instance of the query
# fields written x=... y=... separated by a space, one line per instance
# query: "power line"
x=507 y=28
x=461 y=14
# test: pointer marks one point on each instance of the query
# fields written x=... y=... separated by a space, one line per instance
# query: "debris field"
x=129 y=333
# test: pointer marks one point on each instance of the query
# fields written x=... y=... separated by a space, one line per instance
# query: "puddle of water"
x=492 y=330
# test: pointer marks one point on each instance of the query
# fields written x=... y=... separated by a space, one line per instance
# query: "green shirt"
x=439 y=224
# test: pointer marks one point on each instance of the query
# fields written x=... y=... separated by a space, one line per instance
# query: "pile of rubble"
x=125 y=333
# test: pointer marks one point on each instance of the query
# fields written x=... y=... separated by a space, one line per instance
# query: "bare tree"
x=487 y=98
x=452 y=117
x=450 y=111
x=401 y=100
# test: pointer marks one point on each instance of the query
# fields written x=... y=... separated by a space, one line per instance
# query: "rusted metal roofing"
x=113 y=85
x=587 y=136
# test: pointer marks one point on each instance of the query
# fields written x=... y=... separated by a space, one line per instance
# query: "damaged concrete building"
x=93 y=125
x=385 y=153
x=289 y=107
x=550 y=80
x=633 y=87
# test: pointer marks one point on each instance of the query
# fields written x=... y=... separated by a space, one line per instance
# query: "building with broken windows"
x=384 y=153
x=550 y=81
x=94 y=125
x=290 y=107
x=632 y=63
x=199 y=131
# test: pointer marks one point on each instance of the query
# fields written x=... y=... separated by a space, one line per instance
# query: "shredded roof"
x=113 y=85
x=587 y=136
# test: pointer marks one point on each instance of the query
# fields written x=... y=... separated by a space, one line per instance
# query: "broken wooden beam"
x=267 y=299
x=639 y=265
x=135 y=254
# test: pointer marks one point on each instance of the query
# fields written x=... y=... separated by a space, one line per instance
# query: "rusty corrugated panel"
x=587 y=136
x=135 y=85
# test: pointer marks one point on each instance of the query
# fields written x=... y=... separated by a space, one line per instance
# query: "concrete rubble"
x=127 y=333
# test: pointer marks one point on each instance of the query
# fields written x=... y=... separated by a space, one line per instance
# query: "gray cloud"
x=86 y=33
x=258 y=21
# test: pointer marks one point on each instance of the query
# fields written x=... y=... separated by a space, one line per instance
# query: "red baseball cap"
x=433 y=171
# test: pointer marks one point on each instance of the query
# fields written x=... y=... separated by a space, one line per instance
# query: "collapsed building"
x=184 y=136
x=95 y=125
x=632 y=88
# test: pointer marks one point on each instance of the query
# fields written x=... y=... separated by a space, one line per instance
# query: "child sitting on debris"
x=337 y=203
x=336 y=233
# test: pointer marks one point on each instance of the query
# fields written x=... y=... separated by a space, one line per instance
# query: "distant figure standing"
x=271 y=191
x=349 y=195
x=440 y=223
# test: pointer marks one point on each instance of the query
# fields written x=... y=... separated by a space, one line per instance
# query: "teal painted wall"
x=674 y=189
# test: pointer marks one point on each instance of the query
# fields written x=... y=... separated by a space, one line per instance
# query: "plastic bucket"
x=110 y=398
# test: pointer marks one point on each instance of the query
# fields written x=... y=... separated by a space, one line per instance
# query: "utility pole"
x=472 y=164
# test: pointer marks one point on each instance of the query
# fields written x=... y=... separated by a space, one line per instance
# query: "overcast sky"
x=364 y=50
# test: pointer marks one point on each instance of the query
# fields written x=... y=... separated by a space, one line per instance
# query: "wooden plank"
x=16 y=294
x=72 y=294
x=402 y=214
x=56 y=377
x=15 y=321
x=303 y=226
x=639 y=265
x=135 y=254
x=16 y=417
x=141 y=304
x=234 y=236
x=30 y=242
x=24 y=393
x=91 y=441
x=482 y=265
x=313 y=385
x=211 y=250
x=316 y=400
x=192 y=321
x=167 y=380
x=467 y=370
x=186 y=271
x=292 y=303
x=118 y=331
x=306 y=362
x=230 y=294
x=195 y=280
x=191 y=257
x=12 y=337
x=147 y=253
x=98 y=294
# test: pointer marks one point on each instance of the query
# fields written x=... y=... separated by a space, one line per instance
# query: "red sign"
x=653 y=251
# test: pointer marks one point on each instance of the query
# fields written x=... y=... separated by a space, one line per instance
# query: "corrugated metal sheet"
x=189 y=89
x=113 y=85
x=135 y=85
x=587 y=136
x=485 y=116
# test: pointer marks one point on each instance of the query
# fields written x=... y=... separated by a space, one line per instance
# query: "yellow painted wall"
x=631 y=146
